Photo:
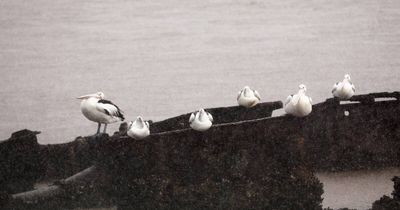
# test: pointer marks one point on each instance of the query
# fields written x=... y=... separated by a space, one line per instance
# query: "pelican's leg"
x=105 y=127
x=98 y=128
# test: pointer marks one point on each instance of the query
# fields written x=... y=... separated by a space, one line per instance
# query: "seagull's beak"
x=87 y=96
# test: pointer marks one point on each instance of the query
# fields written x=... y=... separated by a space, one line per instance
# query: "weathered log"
x=54 y=190
x=84 y=189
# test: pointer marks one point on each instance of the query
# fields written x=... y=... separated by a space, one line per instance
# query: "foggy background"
x=159 y=59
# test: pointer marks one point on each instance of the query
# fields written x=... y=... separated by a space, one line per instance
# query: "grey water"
x=159 y=59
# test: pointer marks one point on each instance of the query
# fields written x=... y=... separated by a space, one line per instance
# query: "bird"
x=139 y=128
x=344 y=89
x=248 y=97
x=95 y=108
x=201 y=120
x=299 y=105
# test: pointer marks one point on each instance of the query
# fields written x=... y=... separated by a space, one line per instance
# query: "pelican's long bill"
x=87 y=96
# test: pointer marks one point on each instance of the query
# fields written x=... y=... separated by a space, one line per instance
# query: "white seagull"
x=344 y=89
x=200 y=120
x=299 y=104
x=95 y=108
x=139 y=128
x=248 y=97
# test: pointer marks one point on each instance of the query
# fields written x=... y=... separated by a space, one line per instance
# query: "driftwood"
x=244 y=161
x=84 y=189
x=44 y=193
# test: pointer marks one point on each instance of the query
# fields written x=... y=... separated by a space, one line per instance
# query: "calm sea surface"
x=159 y=59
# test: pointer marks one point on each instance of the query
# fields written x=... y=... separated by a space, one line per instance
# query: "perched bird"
x=344 y=89
x=139 y=128
x=200 y=120
x=248 y=97
x=299 y=105
x=95 y=108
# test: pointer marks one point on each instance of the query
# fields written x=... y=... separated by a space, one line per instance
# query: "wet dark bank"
x=261 y=162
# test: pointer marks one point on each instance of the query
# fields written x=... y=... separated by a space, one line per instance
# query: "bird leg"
x=98 y=128
x=105 y=127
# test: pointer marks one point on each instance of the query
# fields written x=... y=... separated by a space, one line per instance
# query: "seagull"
x=139 y=128
x=248 y=97
x=95 y=108
x=200 y=120
x=344 y=89
x=299 y=104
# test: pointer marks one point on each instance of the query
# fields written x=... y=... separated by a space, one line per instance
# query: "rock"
x=20 y=162
x=367 y=138
x=23 y=161
x=245 y=161
x=252 y=165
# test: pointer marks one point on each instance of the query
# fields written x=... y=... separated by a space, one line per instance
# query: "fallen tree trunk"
x=80 y=178
x=84 y=189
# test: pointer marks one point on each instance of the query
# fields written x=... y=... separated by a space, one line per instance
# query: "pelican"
x=248 y=97
x=139 y=128
x=299 y=104
x=95 y=108
x=344 y=89
x=200 y=120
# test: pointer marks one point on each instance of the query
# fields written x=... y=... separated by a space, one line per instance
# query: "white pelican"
x=139 y=128
x=200 y=120
x=97 y=109
x=299 y=104
x=248 y=97
x=344 y=89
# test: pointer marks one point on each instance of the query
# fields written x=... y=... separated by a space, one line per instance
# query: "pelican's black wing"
x=109 y=108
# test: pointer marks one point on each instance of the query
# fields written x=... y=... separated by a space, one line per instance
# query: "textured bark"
x=54 y=190
x=87 y=188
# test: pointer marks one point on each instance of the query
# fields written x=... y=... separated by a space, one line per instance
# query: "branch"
x=81 y=179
